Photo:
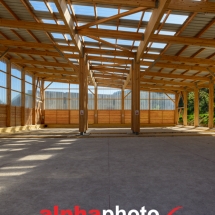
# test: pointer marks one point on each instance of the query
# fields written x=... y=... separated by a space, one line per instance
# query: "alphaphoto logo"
x=78 y=211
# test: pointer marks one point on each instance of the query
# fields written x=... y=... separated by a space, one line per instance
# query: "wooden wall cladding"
x=28 y=116
x=16 y=116
x=109 y=116
x=91 y=117
x=50 y=116
x=74 y=116
x=169 y=116
x=156 y=116
x=144 y=116
x=127 y=116
x=3 y=115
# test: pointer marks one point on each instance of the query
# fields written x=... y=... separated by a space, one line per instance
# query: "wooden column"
x=83 y=88
x=211 y=104
x=135 y=93
x=196 y=107
x=123 y=107
x=8 y=123
x=185 y=108
x=33 y=99
x=96 y=105
x=177 y=98
x=87 y=68
x=42 y=95
x=23 y=98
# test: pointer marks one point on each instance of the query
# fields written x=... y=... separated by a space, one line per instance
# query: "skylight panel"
x=48 y=21
x=39 y=6
x=107 y=27
x=149 y=52
x=87 y=39
x=62 y=44
x=106 y=12
x=147 y=16
x=170 y=33
x=127 y=29
x=109 y=40
x=149 y=60
x=60 y=22
x=137 y=43
x=53 y=7
x=125 y=42
x=176 y=19
x=68 y=36
x=158 y=45
x=84 y=10
x=135 y=16
x=58 y=36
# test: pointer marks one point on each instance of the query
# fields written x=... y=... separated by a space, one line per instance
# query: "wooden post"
x=211 y=105
x=23 y=98
x=135 y=93
x=42 y=87
x=83 y=95
x=33 y=99
x=196 y=107
x=8 y=93
x=123 y=107
x=96 y=105
x=87 y=68
x=185 y=108
x=177 y=99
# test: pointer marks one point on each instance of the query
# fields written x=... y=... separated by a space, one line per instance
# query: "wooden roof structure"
x=173 y=41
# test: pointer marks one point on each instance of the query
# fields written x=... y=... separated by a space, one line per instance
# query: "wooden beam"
x=188 y=5
x=211 y=105
x=18 y=24
x=173 y=76
x=69 y=24
x=36 y=52
x=110 y=44
x=154 y=21
x=36 y=45
x=4 y=53
x=109 y=76
x=50 y=71
x=180 y=59
x=126 y=35
x=132 y=11
x=109 y=52
x=202 y=42
x=160 y=87
x=108 y=69
x=107 y=59
x=41 y=63
x=168 y=82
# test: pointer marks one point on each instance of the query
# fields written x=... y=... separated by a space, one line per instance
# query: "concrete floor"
x=156 y=172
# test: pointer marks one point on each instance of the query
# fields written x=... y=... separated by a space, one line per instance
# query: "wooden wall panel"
x=15 y=116
x=28 y=116
x=144 y=116
x=115 y=116
x=156 y=116
x=168 y=116
x=62 y=116
x=74 y=116
x=3 y=115
x=103 y=116
x=127 y=116
x=91 y=117
x=50 y=116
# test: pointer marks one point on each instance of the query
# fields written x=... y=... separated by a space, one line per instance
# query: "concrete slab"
x=158 y=173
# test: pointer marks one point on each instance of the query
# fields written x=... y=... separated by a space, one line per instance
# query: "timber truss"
x=183 y=59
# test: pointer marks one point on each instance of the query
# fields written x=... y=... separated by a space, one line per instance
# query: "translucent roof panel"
x=135 y=16
x=68 y=36
x=176 y=19
x=87 y=39
x=49 y=21
x=106 y=12
x=147 y=16
x=158 y=45
x=84 y=10
x=107 y=27
x=125 y=42
x=40 y=6
x=58 y=36
x=109 y=40
x=127 y=29
x=53 y=7
x=170 y=33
